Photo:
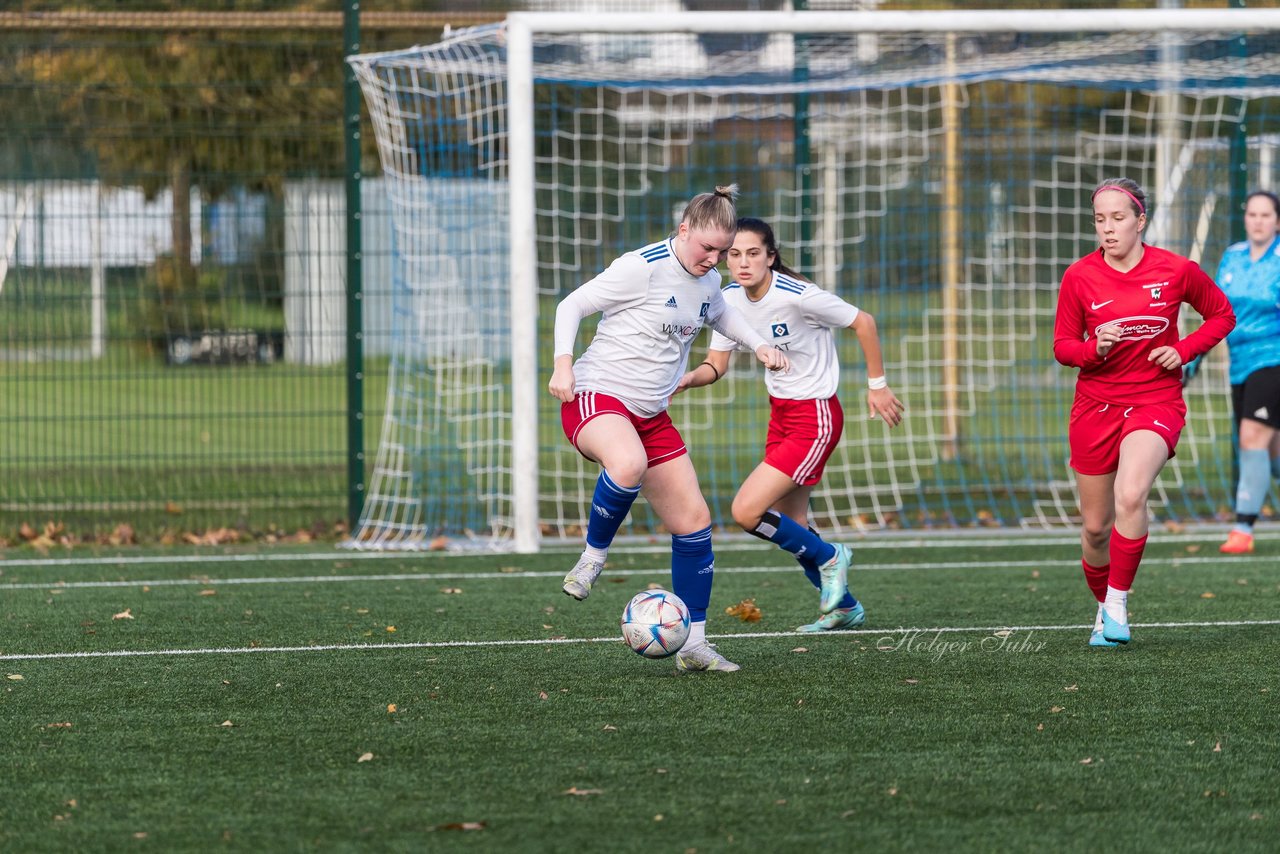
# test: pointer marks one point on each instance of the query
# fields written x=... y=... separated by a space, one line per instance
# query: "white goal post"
x=1128 y=57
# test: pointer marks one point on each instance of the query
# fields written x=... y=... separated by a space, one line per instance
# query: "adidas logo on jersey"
x=671 y=303
x=1262 y=414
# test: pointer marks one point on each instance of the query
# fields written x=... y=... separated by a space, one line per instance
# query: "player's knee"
x=745 y=514
x=1097 y=532
x=1131 y=503
x=627 y=470
x=698 y=520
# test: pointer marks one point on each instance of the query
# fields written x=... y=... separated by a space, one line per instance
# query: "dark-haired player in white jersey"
x=614 y=398
x=806 y=419
x=1117 y=321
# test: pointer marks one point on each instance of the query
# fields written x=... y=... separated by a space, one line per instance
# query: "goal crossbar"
x=919 y=21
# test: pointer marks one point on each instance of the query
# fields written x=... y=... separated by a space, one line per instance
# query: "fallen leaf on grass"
x=1207 y=595
x=208 y=592
x=1071 y=688
x=1088 y=760
x=1193 y=548
x=449 y=591
x=226 y=723
x=364 y=757
x=801 y=649
x=746 y=610
x=1217 y=748
x=13 y=677
x=609 y=728
x=391 y=708
x=1055 y=709
x=459 y=825
x=123 y=615
x=575 y=791
x=63 y=725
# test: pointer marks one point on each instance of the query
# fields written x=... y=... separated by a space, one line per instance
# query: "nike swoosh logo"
x=1098 y=305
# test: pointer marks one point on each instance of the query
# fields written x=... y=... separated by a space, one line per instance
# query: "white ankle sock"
x=697 y=634
x=1117 y=604
x=592 y=553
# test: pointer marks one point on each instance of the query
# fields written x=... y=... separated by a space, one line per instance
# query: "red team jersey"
x=1145 y=303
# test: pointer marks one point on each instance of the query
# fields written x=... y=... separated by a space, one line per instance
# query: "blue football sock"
x=609 y=506
x=692 y=568
x=1255 y=479
x=802 y=542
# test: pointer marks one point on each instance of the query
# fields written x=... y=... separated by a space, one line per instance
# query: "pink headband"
x=1119 y=190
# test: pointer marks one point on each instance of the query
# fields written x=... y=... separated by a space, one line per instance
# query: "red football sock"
x=1126 y=554
x=1096 y=578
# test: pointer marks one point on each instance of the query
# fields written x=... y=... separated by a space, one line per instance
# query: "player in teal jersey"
x=1250 y=276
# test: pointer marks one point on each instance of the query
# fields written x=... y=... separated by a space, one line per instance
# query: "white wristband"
x=874 y=383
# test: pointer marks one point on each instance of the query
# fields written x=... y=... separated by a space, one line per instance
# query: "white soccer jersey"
x=796 y=317
x=653 y=309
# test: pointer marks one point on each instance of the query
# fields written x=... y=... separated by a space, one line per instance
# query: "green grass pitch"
x=282 y=700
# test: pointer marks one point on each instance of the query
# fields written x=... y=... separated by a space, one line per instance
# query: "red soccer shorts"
x=661 y=439
x=802 y=436
x=1097 y=429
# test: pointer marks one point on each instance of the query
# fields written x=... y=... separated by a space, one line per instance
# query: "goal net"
x=933 y=169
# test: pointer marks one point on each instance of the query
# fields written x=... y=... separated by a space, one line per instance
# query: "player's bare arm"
x=709 y=370
x=881 y=401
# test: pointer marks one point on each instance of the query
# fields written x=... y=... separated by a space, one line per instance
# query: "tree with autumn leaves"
x=172 y=109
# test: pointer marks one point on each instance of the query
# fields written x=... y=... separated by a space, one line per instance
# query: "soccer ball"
x=655 y=623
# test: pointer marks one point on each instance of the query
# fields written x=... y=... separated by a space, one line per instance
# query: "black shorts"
x=1258 y=397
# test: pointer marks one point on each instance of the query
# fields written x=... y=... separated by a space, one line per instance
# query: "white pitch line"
x=372 y=647
x=468 y=576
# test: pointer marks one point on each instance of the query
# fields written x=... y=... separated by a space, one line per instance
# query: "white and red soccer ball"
x=655 y=623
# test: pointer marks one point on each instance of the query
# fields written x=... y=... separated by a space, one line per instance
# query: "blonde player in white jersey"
x=614 y=399
x=806 y=419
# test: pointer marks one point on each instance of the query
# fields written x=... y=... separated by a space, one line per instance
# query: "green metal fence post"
x=355 y=281
x=1239 y=155
x=803 y=160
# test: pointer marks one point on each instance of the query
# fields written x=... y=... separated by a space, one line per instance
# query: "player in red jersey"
x=1117 y=321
